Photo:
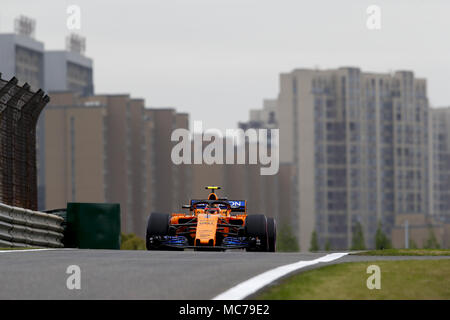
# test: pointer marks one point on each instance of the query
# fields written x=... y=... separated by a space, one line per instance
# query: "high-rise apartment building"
x=264 y=118
x=22 y=56
x=172 y=185
x=58 y=70
x=182 y=173
x=54 y=71
x=64 y=71
x=262 y=191
x=440 y=173
x=68 y=71
x=100 y=149
x=75 y=142
x=359 y=146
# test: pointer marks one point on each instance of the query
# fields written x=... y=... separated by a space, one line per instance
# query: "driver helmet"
x=214 y=208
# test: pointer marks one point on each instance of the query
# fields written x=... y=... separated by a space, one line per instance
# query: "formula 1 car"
x=211 y=224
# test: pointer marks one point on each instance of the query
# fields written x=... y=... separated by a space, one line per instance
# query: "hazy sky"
x=218 y=59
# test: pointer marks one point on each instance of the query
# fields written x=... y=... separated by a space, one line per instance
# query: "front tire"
x=271 y=234
x=157 y=225
x=256 y=227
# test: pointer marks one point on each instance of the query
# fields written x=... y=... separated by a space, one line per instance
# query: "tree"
x=431 y=242
x=328 y=245
x=358 y=242
x=314 y=246
x=412 y=244
x=381 y=240
x=131 y=242
x=286 y=240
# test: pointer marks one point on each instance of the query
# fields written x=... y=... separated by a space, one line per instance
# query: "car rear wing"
x=236 y=205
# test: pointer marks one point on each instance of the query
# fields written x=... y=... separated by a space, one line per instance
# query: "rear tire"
x=256 y=227
x=157 y=225
x=272 y=234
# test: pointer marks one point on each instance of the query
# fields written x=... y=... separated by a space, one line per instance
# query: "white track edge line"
x=30 y=250
x=250 y=286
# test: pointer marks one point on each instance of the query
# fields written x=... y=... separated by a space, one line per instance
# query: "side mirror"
x=186 y=206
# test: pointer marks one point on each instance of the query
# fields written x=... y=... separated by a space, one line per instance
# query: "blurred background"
x=363 y=113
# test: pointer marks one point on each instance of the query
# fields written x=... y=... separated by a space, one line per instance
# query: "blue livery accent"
x=234 y=242
x=236 y=205
x=174 y=240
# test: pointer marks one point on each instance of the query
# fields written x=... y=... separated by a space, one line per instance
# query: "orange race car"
x=215 y=224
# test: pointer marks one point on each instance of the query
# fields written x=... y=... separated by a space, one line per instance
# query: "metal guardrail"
x=26 y=228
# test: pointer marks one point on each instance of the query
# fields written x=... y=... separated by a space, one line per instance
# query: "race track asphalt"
x=110 y=274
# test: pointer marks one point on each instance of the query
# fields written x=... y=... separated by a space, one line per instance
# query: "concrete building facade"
x=23 y=57
x=262 y=191
x=172 y=186
x=68 y=71
x=54 y=71
x=440 y=153
x=101 y=149
x=358 y=143
x=74 y=134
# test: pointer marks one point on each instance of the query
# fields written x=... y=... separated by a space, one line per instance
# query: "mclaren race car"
x=211 y=224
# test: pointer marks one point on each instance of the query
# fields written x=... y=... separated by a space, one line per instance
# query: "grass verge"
x=407 y=279
x=405 y=252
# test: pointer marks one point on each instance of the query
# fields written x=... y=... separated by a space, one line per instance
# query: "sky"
x=217 y=59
